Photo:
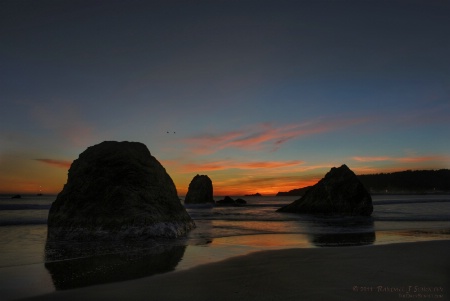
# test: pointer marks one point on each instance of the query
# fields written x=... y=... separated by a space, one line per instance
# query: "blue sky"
x=263 y=95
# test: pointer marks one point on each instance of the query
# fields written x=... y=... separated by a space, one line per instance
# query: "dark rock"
x=338 y=193
x=200 y=190
x=255 y=194
x=117 y=190
x=226 y=201
x=17 y=196
x=240 y=201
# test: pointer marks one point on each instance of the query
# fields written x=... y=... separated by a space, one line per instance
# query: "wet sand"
x=406 y=271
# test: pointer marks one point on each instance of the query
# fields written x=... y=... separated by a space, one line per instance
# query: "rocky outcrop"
x=338 y=193
x=117 y=190
x=200 y=190
x=226 y=201
x=240 y=201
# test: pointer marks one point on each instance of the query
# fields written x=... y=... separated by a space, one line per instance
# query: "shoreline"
x=35 y=278
x=377 y=272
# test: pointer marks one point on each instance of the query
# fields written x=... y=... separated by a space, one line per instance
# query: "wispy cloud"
x=265 y=135
x=372 y=159
x=416 y=159
x=437 y=114
x=422 y=159
x=57 y=163
x=65 y=120
x=232 y=164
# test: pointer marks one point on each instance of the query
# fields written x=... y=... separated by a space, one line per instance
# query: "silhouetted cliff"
x=294 y=192
x=417 y=181
x=409 y=181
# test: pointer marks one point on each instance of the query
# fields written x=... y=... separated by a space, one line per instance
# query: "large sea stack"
x=338 y=193
x=117 y=190
x=200 y=190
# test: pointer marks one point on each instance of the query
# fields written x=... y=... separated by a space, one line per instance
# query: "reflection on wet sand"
x=351 y=231
x=343 y=239
x=85 y=264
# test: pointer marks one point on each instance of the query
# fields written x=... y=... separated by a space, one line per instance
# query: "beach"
x=418 y=270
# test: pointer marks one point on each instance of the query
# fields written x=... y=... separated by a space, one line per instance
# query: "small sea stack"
x=200 y=190
x=255 y=194
x=228 y=201
x=117 y=190
x=338 y=193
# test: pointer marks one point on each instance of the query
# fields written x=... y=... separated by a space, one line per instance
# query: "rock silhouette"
x=200 y=190
x=117 y=190
x=338 y=193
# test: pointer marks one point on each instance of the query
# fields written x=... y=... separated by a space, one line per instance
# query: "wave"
x=211 y=205
x=265 y=205
x=401 y=202
x=24 y=207
x=23 y=222
x=414 y=219
x=199 y=206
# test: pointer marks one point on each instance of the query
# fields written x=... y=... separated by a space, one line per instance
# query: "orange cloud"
x=265 y=135
x=263 y=185
x=57 y=163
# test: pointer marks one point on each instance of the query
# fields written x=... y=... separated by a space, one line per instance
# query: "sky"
x=261 y=96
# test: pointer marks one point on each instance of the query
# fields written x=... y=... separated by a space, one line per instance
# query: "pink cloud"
x=57 y=163
x=265 y=135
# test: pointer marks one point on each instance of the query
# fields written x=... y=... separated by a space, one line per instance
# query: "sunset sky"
x=262 y=96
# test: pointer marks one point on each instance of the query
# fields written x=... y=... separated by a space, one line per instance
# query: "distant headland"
x=294 y=192
x=402 y=182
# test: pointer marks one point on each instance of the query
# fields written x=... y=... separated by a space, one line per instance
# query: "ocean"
x=29 y=266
